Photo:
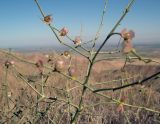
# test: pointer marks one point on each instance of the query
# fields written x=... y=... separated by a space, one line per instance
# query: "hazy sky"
x=20 y=23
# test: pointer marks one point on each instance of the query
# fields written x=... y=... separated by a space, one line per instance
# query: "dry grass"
x=102 y=111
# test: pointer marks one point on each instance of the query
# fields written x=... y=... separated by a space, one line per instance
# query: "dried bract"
x=47 y=19
x=64 y=31
x=59 y=65
x=127 y=34
x=77 y=41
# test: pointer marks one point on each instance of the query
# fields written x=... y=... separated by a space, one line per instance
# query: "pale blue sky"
x=20 y=23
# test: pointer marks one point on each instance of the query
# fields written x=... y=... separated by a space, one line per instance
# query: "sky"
x=21 y=25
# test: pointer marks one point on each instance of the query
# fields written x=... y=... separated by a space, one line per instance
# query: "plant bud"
x=47 y=56
x=127 y=35
x=72 y=72
x=47 y=19
x=64 y=31
x=59 y=65
x=9 y=63
x=77 y=41
x=66 y=54
x=39 y=63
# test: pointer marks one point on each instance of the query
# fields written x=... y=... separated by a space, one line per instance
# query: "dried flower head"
x=59 y=65
x=39 y=65
x=67 y=54
x=9 y=94
x=120 y=108
x=123 y=98
x=77 y=40
x=127 y=46
x=9 y=63
x=72 y=72
x=64 y=31
x=12 y=62
x=47 y=19
x=127 y=34
x=47 y=56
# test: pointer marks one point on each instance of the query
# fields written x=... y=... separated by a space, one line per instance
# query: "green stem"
x=92 y=61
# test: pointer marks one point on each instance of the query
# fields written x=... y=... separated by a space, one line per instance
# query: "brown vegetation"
x=98 y=109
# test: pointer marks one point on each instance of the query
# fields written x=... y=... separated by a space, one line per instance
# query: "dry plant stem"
x=124 y=63
x=16 y=57
x=42 y=85
x=128 y=105
x=100 y=26
x=92 y=61
x=82 y=47
x=128 y=121
x=53 y=30
x=149 y=97
x=109 y=58
x=128 y=85
x=96 y=104
x=27 y=110
x=32 y=63
x=68 y=98
x=6 y=86
x=73 y=48
x=141 y=107
x=146 y=60
x=90 y=89
x=21 y=77
x=99 y=83
x=99 y=29
x=87 y=87
x=42 y=96
x=66 y=101
x=110 y=52
x=39 y=100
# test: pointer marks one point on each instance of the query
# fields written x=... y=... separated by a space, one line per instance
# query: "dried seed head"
x=9 y=63
x=47 y=56
x=127 y=46
x=77 y=41
x=72 y=72
x=59 y=65
x=12 y=62
x=64 y=31
x=120 y=108
x=66 y=54
x=127 y=34
x=47 y=19
x=39 y=64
